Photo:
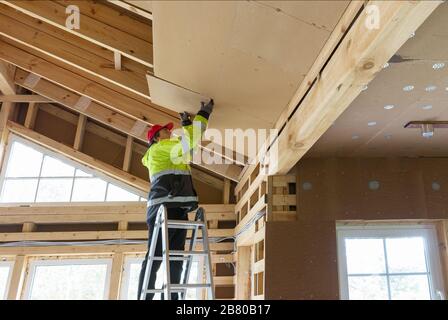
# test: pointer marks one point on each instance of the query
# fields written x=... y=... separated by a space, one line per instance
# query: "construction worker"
x=167 y=160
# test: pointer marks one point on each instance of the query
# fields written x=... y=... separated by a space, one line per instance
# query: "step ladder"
x=162 y=224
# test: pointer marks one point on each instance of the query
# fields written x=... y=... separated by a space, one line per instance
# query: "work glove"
x=185 y=116
x=207 y=107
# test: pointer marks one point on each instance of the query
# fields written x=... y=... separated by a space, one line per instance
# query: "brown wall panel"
x=55 y=128
x=301 y=257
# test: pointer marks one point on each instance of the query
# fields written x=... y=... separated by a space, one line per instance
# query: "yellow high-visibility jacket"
x=169 y=171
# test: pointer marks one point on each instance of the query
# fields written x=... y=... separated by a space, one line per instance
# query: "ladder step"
x=172 y=258
x=189 y=286
x=187 y=253
x=184 y=224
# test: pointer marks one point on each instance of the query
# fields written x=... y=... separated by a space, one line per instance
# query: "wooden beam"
x=226 y=192
x=17 y=278
x=128 y=154
x=118 y=139
x=25 y=98
x=128 y=6
x=76 y=250
x=6 y=114
x=78 y=156
x=106 y=116
x=31 y=114
x=72 y=51
x=243 y=273
x=80 y=130
x=115 y=276
x=357 y=60
x=90 y=29
x=7 y=86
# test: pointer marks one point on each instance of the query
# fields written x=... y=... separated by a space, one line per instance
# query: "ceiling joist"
x=359 y=57
x=95 y=30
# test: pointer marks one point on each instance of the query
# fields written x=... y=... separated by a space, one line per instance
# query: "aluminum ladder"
x=162 y=224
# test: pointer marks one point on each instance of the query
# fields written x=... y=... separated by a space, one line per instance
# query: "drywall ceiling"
x=415 y=64
x=250 y=56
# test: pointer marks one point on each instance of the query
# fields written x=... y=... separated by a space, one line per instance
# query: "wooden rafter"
x=24 y=98
x=130 y=7
x=91 y=29
x=358 y=57
x=73 y=51
x=78 y=156
x=119 y=140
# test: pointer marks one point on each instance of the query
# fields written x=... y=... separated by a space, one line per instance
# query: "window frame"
x=95 y=174
x=10 y=264
x=427 y=231
x=58 y=261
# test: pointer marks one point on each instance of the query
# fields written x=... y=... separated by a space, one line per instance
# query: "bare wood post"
x=17 y=278
x=31 y=115
x=80 y=129
x=128 y=154
x=115 y=276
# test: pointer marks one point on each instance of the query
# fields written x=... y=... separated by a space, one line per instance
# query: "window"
x=389 y=263
x=131 y=275
x=34 y=174
x=80 y=279
x=5 y=275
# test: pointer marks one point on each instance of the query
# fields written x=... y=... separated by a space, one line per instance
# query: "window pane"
x=80 y=173
x=55 y=168
x=69 y=282
x=365 y=256
x=19 y=190
x=23 y=161
x=4 y=276
x=54 y=190
x=406 y=255
x=133 y=274
x=115 y=193
x=409 y=287
x=86 y=189
x=368 y=288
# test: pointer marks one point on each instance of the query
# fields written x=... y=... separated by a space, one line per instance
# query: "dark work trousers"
x=176 y=242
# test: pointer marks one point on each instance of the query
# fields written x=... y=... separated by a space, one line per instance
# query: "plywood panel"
x=242 y=54
x=300 y=261
x=179 y=99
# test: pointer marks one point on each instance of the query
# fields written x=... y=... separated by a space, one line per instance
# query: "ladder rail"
x=163 y=224
x=165 y=255
x=190 y=259
x=151 y=258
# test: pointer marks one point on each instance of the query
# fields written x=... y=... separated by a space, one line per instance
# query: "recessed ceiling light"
x=371 y=123
x=355 y=137
x=427 y=107
x=389 y=107
x=437 y=66
x=408 y=88
x=430 y=88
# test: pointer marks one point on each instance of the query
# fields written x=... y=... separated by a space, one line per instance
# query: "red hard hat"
x=156 y=128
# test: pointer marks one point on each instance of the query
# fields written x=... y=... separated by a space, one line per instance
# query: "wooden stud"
x=31 y=114
x=243 y=273
x=80 y=129
x=116 y=276
x=17 y=278
x=29 y=227
x=226 y=192
x=7 y=86
x=128 y=154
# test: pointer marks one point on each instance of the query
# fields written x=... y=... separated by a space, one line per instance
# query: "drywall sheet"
x=250 y=57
